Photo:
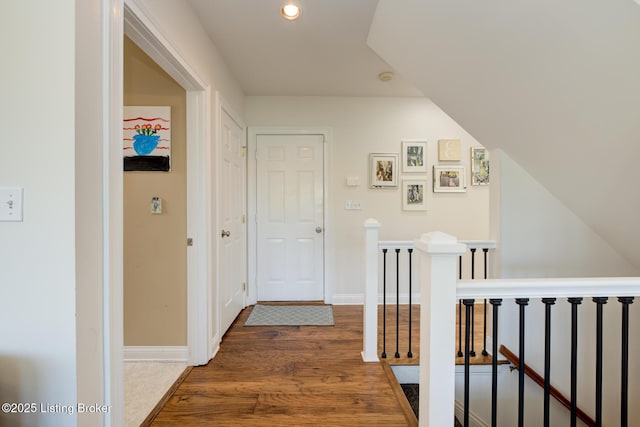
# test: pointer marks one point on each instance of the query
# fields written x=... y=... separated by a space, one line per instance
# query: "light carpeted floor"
x=144 y=385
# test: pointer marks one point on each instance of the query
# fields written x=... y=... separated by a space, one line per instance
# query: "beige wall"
x=155 y=265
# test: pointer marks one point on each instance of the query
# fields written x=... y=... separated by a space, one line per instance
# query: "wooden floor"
x=300 y=375
x=287 y=376
x=403 y=339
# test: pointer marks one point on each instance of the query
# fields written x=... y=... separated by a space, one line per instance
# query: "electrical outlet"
x=10 y=204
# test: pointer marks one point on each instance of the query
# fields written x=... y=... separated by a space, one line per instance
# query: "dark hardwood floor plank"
x=287 y=376
x=299 y=375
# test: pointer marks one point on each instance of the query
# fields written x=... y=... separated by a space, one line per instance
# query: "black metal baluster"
x=495 y=303
x=522 y=302
x=384 y=304
x=409 y=353
x=473 y=317
x=574 y=359
x=484 y=334
x=548 y=302
x=397 y=355
x=624 y=388
x=468 y=305
x=600 y=301
x=460 y=313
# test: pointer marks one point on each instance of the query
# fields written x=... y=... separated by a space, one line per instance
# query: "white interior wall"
x=553 y=84
x=180 y=25
x=361 y=126
x=539 y=237
x=38 y=255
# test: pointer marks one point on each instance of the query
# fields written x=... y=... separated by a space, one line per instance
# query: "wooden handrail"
x=538 y=379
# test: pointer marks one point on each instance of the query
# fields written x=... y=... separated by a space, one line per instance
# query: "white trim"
x=548 y=288
x=223 y=105
x=358 y=299
x=408 y=244
x=142 y=29
x=198 y=225
x=178 y=353
x=253 y=133
x=113 y=304
x=348 y=299
x=474 y=420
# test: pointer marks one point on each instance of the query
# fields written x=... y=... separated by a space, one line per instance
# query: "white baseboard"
x=358 y=299
x=474 y=420
x=156 y=354
x=348 y=299
x=216 y=348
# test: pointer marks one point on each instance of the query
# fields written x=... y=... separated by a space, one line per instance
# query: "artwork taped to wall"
x=383 y=170
x=414 y=156
x=147 y=138
x=449 y=150
x=479 y=166
x=448 y=179
x=414 y=194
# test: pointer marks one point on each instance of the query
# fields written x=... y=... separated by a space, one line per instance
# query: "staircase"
x=521 y=313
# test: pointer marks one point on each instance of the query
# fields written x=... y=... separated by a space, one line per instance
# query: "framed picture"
x=414 y=194
x=146 y=133
x=383 y=169
x=479 y=166
x=449 y=150
x=448 y=179
x=414 y=156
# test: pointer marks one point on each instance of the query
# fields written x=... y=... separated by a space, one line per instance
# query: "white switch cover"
x=353 y=181
x=352 y=205
x=156 y=205
x=10 y=204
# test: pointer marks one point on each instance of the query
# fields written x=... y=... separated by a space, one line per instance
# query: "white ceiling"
x=323 y=53
x=555 y=84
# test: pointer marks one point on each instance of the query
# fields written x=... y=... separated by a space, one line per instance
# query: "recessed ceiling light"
x=290 y=10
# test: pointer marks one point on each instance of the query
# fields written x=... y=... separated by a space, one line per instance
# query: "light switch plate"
x=156 y=205
x=10 y=204
x=352 y=205
x=353 y=181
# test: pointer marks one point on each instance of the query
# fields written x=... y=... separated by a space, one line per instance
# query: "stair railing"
x=567 y=290
x=389 y=279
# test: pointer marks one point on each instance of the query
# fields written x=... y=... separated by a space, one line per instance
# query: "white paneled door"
x=233 y=232
x=289 y=217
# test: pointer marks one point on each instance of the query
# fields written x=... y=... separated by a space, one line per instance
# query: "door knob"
x=318 y=229
x=226 y=233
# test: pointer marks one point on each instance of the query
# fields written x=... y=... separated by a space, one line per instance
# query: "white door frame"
x=254 y=132
x=222 y=105
x=132 y=17
x=140 y=28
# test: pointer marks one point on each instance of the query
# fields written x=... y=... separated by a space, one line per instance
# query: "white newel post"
x=370 y=317
x=437 y=275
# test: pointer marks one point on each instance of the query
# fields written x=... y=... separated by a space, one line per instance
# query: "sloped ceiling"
x=555 y=84
x=323 y=53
